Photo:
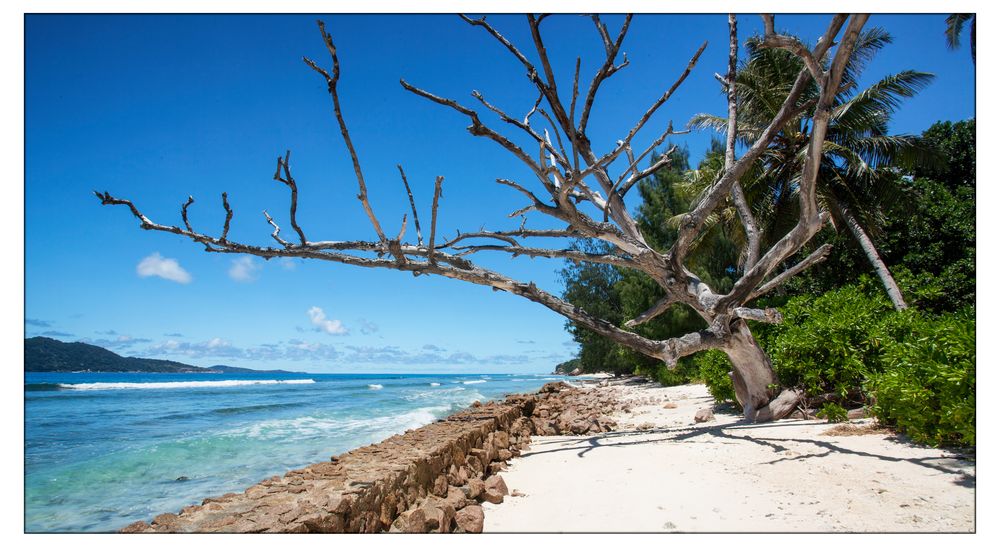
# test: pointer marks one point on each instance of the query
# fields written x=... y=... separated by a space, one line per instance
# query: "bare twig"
x=434 y=217
x=413 y=206
x=290 y=183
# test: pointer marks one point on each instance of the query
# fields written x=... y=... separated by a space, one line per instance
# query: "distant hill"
x=43 y=354
x=567 y=367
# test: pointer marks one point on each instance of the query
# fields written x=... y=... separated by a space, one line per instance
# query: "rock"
x=505 y=454
x=704 y=415
x=670 y=405
x=517 y=493
x=645 y=426
x=576 y=372
x=493 y=495
x=496 y=481
x=135 y=527
x=182 y=478
x=413 y=521
x=165 y=519
x=553 y=387
x=440 y=486
x=438 y=516
x=456 y=498
x=470 y=519
x=476 y=488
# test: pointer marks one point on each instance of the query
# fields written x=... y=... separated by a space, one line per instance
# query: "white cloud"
x=244 y=269
x=329 y=326
x=167 y=268
x=287 y=263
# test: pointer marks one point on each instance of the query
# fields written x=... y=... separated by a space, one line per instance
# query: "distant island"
x=43 y=354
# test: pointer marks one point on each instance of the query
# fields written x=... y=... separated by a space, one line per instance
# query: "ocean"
x=103 y=450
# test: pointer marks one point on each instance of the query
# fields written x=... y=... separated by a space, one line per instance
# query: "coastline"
x=505 y=466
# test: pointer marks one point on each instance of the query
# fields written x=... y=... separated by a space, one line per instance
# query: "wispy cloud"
x=287 y=263
x=218 y=348
x=367 y=327
x=122 y=341
x=37 y=323
x=167 y=268
x=56 y=333
x=432 y=347
x=109 y=332
x=329 y=326
x=174 y=334
x=525 y=341
x=244 y=269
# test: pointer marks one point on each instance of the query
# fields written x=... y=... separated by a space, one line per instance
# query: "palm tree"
x=955 y=23
x=860 y=156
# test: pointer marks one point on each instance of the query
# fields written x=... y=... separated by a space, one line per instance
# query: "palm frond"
x=953 y=30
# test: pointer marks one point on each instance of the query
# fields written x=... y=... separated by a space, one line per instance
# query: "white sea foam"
x=374 y=386
x=360 y=429
x=435 y=384
x=474 y=382
x=176 y=385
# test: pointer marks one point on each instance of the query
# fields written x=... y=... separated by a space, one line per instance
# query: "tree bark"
x=876 y=261
x=753 y=376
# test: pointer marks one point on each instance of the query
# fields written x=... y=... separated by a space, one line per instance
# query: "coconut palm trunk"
x=872 y=253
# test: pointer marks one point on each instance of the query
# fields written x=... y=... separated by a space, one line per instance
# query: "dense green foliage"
x=827 y=344
x=915 y=369
x=928 y=385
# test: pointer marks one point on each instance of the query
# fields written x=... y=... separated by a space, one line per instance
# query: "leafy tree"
x=955 y=144
x=591 y=286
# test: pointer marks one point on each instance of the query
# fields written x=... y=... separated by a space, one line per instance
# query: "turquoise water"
x=103 y=450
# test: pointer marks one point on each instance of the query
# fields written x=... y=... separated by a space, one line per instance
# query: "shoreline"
x=432 y=478
x=502 y=466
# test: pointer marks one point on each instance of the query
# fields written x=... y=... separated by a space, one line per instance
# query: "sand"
x=724 y=476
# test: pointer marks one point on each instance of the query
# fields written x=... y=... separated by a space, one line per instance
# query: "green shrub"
x=713 y=368
x=833 y=413
x=829 y=343
x=928 y=387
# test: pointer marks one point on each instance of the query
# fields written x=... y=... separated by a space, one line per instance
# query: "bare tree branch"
x=739 y=199
x=331 y=80
x=657 y=309
x=413 y=206
x=817 y=256
x=290 y=183
x=607 y=69
x=229 y=216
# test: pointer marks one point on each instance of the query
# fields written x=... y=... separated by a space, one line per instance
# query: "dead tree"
x=575 y=185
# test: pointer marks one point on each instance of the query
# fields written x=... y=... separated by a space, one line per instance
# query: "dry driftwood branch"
x=817 y=256
x=290 y=182
x=413 y=206
x=564 y=175
x=739 y=199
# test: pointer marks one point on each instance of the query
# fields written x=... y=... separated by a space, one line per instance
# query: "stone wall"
x=429 y=479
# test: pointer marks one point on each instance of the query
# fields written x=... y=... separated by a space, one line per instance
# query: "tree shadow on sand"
x=956 y=464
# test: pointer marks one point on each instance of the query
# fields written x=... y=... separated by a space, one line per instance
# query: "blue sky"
x=154 y=108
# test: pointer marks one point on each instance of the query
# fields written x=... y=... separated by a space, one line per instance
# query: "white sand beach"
x=662 y=472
